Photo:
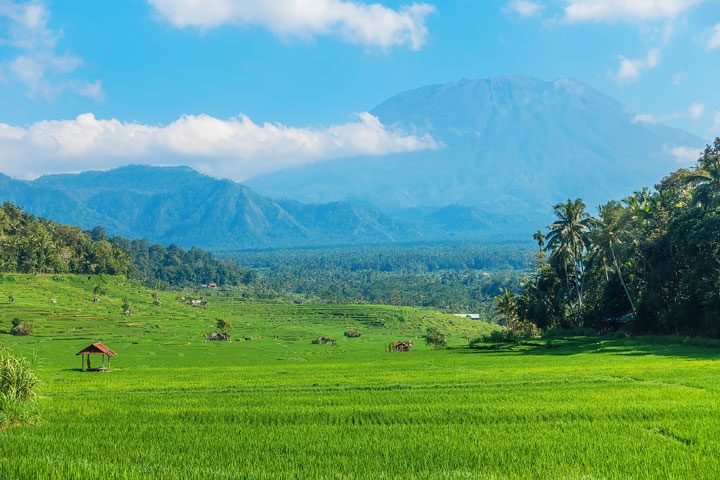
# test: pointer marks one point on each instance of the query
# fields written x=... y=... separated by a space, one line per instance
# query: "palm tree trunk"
x=622 y=280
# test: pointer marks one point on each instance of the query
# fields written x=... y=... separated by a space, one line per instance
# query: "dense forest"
x=176 y=266
x=459 y=277
x=649 y=263
x=34 y=245
x=456 y=277
x=408 y=258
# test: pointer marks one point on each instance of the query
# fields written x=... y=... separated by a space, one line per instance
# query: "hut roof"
x=97 y=348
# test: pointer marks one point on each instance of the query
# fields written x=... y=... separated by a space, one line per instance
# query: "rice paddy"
x=273 y=405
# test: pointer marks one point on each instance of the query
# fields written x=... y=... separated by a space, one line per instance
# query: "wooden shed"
x=96 y=348
x=401 y=346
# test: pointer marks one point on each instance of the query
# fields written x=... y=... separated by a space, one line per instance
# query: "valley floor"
x=273 y=405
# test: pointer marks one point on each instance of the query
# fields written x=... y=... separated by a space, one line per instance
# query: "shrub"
x=324 y=341
x=17 y=389
x=127 y=307
x=500 y=336
x=223 y=325
x=557 y=332
x=621 y=334
x=353 y=334
x=435 y=337
x=21 y=328
x=525 y=329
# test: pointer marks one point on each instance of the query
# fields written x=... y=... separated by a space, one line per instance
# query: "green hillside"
x=274 y=405
x=75 y=318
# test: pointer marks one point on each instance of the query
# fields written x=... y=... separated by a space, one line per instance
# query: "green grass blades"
x=270 y=404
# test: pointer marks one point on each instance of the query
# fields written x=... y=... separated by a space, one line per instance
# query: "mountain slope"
x=512 y=147
x=181 y=206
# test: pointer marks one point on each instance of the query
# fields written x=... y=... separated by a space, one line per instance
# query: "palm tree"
x=606 y=239
x=506 y=306
x=567 y=242
x=705 y=179
x=539 y=237
x=640 y=205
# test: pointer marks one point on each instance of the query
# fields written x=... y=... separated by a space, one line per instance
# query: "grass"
x=277 y=406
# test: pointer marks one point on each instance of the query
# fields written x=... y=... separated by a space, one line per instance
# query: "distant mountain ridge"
x=512 y=147
x=177 y=205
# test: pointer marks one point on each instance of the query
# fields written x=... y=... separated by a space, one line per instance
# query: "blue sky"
x=138 y=66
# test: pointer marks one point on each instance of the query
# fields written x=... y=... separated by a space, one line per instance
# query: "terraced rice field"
x=273 y=405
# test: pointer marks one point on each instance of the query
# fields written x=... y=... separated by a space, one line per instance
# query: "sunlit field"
x=270 y=404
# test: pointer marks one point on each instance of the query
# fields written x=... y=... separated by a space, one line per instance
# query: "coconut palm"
x=605 y=242
x=567 y=243
x=539 y=237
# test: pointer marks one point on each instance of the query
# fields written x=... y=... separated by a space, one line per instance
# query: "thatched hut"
x=96 y=348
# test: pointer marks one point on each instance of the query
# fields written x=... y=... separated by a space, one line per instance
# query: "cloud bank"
x=370 y=25
x=236 y=148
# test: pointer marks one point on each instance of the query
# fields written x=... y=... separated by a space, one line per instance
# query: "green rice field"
x=270 y=404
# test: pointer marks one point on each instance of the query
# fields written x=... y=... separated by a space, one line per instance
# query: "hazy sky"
x=254 y=86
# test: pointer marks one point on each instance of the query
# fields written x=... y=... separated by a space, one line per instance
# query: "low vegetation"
x=17 y=390
x=21 y=327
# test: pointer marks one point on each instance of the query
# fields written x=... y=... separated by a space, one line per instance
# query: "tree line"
x=29 y=244
x=649 y=263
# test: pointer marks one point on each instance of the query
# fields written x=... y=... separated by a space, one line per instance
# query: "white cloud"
x=236 y=148
x=694 y=112
x=524 y=8
x=685 y=155
x=715 y=129
x=371 y=25
x=35 y=62
x=679 y=78
x=714 y=40
x=630 y=70
x=625 y=10
x=646 y=118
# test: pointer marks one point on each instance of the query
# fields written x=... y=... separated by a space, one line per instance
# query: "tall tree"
x=605 y=240
x=567 y=243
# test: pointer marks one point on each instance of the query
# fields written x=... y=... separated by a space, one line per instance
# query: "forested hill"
x=29 y=244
